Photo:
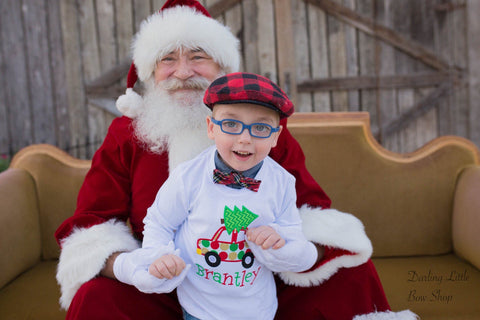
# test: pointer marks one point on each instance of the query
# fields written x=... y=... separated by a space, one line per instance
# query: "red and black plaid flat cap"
x=242 y=87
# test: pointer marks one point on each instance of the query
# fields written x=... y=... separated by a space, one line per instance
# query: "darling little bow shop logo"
x=442 y=283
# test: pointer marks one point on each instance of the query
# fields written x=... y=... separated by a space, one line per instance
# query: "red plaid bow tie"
x=235 y=178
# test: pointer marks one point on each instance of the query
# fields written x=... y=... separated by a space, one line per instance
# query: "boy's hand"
x=265 y=237
x=167 y=266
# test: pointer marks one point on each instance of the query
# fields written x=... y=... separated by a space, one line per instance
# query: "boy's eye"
x=230 y=124
x=261 y=128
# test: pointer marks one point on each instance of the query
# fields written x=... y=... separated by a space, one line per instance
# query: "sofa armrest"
x=466 y=216
x=57 y=177
x=20 y=244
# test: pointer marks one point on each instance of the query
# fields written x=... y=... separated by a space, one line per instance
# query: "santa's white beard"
x=174 y=123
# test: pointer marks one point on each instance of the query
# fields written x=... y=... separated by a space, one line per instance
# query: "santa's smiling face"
x=173 y=117
x=176 y=54
x=184 y=64
x=184 y=72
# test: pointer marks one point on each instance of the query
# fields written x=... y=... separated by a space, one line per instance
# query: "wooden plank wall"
x=52 y=50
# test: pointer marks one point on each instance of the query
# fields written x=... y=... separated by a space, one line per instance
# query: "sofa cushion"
x=33 y=295
x=437 y=287
x=19 y=224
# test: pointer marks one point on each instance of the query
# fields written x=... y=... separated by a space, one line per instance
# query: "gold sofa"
x=421 y=211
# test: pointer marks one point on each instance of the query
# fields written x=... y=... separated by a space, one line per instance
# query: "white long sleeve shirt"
x=208 y=222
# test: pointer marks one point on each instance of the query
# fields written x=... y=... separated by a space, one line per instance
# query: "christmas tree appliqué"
x=237 y=219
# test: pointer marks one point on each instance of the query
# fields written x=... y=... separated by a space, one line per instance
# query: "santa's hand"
x=127 y=263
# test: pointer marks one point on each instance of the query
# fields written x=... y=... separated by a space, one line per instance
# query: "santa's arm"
x=98 y=227
x=341 y=234
x=85 y=252
x=343 y=238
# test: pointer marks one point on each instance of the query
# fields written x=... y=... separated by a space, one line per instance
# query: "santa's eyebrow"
x=196 y=50
x=168 y=53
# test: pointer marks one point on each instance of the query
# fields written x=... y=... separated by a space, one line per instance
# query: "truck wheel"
x=212 y=259
x=247 y=260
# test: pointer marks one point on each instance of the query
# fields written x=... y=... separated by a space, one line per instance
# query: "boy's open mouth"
x=242 y=153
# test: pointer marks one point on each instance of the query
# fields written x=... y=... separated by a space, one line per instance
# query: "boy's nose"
x=183 y=69
x=245 y=136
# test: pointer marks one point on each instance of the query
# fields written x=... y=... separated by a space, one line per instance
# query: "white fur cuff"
x=332 y=228
x=388 y=315
x=84 y=253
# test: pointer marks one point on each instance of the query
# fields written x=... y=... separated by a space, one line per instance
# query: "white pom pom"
x=130 y=104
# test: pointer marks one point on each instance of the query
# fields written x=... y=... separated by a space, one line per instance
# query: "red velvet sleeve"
x=289 y=155
x=105 y=192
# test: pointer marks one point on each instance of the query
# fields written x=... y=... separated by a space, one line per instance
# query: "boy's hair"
x=242 y=87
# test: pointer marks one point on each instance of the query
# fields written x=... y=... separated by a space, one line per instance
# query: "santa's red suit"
x=125 y=177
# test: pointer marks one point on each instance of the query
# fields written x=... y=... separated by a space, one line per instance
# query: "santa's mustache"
x=196 y=83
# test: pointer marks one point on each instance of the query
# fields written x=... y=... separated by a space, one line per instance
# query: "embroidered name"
x=238 y=279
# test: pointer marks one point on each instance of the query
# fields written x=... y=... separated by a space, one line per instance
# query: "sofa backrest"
x=57 y=177
x=404 y=200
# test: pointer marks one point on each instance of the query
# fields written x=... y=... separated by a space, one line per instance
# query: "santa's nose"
x=183 y=69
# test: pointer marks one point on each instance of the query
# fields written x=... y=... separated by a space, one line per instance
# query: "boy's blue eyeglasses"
x=257 y=130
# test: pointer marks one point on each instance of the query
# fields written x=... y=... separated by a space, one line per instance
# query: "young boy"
x=230 y=212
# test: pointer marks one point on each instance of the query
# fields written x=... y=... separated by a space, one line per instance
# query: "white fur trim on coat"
x=388 y=315
x=84 y=253
x=330 y=227
x=183 y=26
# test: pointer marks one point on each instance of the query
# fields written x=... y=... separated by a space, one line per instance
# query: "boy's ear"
x=277 y=134
x=210 y=125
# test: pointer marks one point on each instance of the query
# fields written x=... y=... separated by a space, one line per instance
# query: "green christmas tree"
x=237 y=219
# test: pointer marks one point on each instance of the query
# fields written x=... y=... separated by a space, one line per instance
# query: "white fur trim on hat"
x=84 y=253
x=130 y=104
x=388 y=315
x=183 y=26
x=332 y=228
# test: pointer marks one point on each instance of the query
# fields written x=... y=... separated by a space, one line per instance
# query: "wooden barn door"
x=405 y=62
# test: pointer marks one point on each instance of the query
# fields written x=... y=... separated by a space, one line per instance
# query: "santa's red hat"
x=179 y=24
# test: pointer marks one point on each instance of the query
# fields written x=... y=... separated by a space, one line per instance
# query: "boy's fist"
x=167 y=266
x=265 y=237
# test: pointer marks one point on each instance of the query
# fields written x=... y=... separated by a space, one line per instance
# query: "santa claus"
x=177 y=53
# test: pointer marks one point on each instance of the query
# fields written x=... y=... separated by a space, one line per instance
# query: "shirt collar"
x=222 y=166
